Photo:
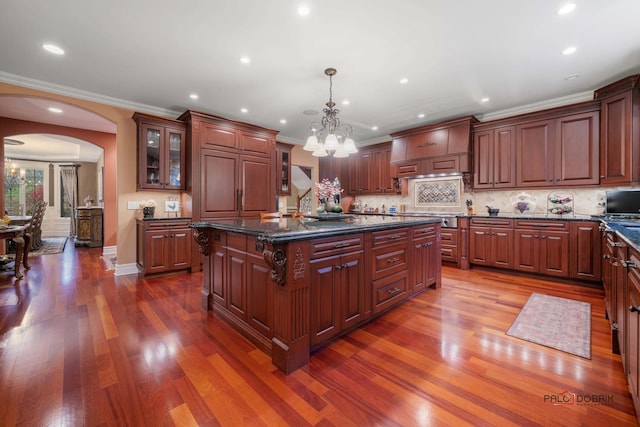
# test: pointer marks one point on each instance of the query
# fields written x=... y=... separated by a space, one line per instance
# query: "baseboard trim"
x=126 y=269
x=109 y=251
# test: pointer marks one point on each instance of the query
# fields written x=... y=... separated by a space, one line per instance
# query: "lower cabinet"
x=449 y=244
x=491 y=242
x=425 y=271
x=88 y=227
x=163 y=246
x=586 y=251
x=632 y=327
x=542 y=247
x=338 y=292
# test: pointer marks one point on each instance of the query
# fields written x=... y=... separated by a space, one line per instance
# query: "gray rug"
x=560 y=323
x=50 y=245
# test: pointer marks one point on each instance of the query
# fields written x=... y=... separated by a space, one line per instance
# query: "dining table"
x=20 y=219
x=20 y=236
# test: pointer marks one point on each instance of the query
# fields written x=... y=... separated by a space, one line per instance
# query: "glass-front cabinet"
x=161 y=156
x=283 y=165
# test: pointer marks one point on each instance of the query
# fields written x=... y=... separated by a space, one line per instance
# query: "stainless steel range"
x=448 y=219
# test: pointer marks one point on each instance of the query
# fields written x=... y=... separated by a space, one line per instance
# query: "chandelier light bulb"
x=320 y=151
x=350 y=146
x=331 y=142
x=312 y=143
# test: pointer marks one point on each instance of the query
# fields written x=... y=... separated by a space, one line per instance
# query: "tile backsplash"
x=587 y=201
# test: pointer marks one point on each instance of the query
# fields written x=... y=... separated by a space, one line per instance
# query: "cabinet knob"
x=606 y=256
x=634 y=309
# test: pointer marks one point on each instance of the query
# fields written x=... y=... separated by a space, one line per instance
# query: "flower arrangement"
x=148 y=203
x=326 y=189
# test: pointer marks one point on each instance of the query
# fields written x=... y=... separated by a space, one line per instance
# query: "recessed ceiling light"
x=345 y=102
x=52 y=48
x=283 y=121
x=303 y=10
x=245 y=59
x=244 y=110
x=374 y=127
x=421 y=116
x=55 y=110
x=194 y=96
x=404 y=80
x=572 y=77
x=569 y=51
x=485 y=99
x=566 y=8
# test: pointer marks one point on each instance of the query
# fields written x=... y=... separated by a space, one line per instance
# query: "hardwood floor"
x=83 y=347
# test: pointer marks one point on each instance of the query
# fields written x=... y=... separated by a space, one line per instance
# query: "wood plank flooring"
x=79 y=346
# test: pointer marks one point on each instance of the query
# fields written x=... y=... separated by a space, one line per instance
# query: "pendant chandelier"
x=329 y=135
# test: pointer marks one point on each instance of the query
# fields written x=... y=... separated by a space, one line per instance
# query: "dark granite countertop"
x=576 y=217
x=628 y=231
x=287 y=230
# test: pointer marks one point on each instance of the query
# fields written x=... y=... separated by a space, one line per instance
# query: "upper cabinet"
x=283 y=169
x=620 y=132
x=161 y=153
x=550 y=148
x=433 y=149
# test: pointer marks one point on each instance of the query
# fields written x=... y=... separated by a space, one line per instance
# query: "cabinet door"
x=585 y=250
x=381 y=174
x=554 y=253
x=257 y=193
x=180 y=245
x=156 y=249
x=526 y=250
x=220 y=190
x=577 y=153
x=174 y=159
x=423 y=266
x=283 y=169
x=480 y=245
x=633 y=334
x=260 y=302
x=150 y=156
x=616 y=134
x=360 y=166
x=218 y=273
x=325 y=299
x=502 y=247
x=236 y=282
x=504 y=157
x=483 y=159
x=535 y=154
x=622 y=292
x=353 y=303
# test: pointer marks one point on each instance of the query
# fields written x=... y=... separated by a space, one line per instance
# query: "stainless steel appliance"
x=448 y=219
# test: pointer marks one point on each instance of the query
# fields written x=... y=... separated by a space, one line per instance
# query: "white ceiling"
x=149 y=55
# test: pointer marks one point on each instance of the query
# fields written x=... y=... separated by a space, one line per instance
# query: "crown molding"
x=537 y=106
x=84 y=95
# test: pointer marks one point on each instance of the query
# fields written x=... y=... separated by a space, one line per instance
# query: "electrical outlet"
x=133 y=205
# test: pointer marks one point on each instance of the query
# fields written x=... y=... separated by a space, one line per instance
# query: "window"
x=22 y=188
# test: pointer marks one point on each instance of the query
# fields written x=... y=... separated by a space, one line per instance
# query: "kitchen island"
x=292 y=285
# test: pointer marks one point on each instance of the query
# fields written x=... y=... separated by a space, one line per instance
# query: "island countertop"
x=285 y=229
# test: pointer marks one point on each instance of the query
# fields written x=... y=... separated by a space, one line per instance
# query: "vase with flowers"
x=328 y=194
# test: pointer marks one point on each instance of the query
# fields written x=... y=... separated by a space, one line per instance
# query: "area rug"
x=50 y=245
x=555 y=322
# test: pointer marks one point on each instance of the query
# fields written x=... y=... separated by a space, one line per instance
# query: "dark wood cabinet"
x=577 y=151
x=161 y=153
x=494 y=154
x=491 y=242
x=233 y=167
x=339 y=288
x=163 y=246
x=360 y=168
x=381 y=179
x=283 y=169
x=585 y=262
x=535 y=154
x=614 y=280
x=426 y=272
x=333 y=167
x=542 y=247
x=620 y=131
x=632 y=326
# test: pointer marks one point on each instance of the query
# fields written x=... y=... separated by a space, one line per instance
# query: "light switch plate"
x=133 y=205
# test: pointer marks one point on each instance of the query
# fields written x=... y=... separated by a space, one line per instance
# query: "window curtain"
x=69 y=175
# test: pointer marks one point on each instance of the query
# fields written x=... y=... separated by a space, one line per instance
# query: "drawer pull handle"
x=392 y=260
x=393 y=291
x=617 y=244
x=634 y=309
x=341 y=266
x=426 y=244
x=341 y=245
x=394 y=236
x=628 y=264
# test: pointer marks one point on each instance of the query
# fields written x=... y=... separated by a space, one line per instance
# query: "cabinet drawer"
x=389 y=260
x=408 y=169
x=449 y=253
x=166 y=224
x=494 y=222
x=389 y=237
x=449 y=236
x=389 y=291
x=256 y=145
x=444 y=164
x=218 y=137
x=548 y=224
x=424 y=232
x=336 y=245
